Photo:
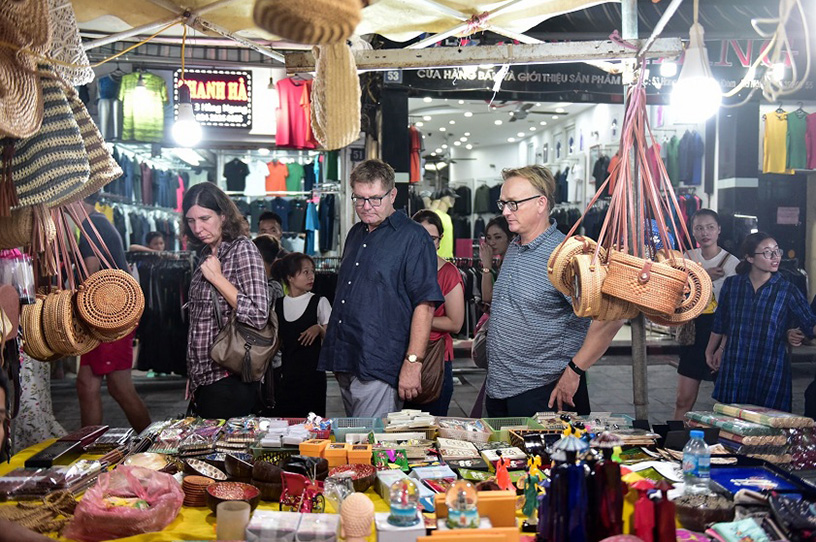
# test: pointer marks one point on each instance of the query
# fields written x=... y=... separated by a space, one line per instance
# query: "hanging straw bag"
x=559 y=267
x=648 y=284
x=34 y=342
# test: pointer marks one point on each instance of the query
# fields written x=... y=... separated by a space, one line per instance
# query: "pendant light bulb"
x=186 y=130
x=696 y=95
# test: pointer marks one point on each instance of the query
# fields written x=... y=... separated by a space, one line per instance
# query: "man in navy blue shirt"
x=386 y=295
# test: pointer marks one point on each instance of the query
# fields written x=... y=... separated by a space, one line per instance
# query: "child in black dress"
x=302 y=320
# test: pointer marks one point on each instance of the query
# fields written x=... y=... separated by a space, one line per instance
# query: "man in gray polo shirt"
x=537 y=348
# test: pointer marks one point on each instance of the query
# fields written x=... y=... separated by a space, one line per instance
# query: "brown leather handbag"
x=242 y=349
x=433 y=373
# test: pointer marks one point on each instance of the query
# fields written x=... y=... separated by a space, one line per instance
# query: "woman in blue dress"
x=747 y=344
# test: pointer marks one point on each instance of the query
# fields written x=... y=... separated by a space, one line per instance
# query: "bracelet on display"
x=577 y=370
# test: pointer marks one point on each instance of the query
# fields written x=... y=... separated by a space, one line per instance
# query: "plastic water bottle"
x=696 y=465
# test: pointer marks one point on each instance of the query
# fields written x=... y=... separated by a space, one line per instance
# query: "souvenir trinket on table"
x=356 y=517
x=404 y=500
x=301 y=493
x=665 y=510
x=644 y=519
x=567 y=497
x=390 y=459
x=607 y=488
x=532 y=487
x=462 y=499
x=502 y=475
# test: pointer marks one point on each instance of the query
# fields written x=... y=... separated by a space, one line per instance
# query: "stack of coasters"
x=195 y=490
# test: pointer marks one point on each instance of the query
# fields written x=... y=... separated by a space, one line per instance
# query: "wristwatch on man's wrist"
x=577 y=370
x=413 y=358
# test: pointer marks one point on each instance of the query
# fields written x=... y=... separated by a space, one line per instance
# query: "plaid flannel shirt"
x=242 y=265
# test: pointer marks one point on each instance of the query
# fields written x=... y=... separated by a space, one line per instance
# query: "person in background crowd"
x=719 y=264
x=494 y=245
x=538 y=349
x=9 y=530
x=270 y=250
x=747 y=343
x=232 y=269
x=155 y=243
x=269 y=223
x=386 y=295
x=112 y=361
x=302 y=320
x=448 y=317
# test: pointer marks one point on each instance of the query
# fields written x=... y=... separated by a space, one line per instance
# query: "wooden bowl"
x=362 y=476
x=238 y=465
x=232 y=491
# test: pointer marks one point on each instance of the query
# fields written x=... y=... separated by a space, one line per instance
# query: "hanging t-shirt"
x=312 y=225
x=294 y=179
x=795 y=142
x=276 y=179
x=256 y=180
x=775 y=157
x=331 y=166
x=236 y=173
x=810 y=140
x=309 y=176
x=293 y=124
x=446 y=243
x=414 y=149
x=199 y=176
x=143 y=108
x=672 y=160
x=696 y=152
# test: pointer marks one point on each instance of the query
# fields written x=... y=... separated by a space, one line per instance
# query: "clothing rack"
x=106 y=197
x=164 y=254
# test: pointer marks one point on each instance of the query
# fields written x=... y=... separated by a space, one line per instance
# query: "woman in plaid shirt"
x=233 y=267
x=747 y=344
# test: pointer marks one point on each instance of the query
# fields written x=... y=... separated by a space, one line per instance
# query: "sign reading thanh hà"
x=220 y=97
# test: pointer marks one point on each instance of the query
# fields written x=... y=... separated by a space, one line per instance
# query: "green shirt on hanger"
x=795 y=143
x=143 y=109
x=294 y=179
x=331 y=166
x=672 y=164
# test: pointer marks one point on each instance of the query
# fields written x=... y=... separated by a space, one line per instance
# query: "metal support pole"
x=640 y=385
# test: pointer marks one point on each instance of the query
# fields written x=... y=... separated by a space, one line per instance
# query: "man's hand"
x=716 y=273
x=565 y=389
x=307 y=337
x=410 y=380
x=211 y=268
x=795 y=337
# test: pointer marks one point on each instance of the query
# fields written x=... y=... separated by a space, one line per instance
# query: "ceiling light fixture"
x=467 y=134
x=468 y=114
x=451 y=122
x=668 y=68
x=461 y=102
x=559 y=109
x=186 y=130
x=438 y=151
x=497 y=122
x=427 y=99
x=696 y=95
x=469 y=146
x=532 y=128
x=419 y=124
x=555 y=117
x=445 y=146
x=457 y=143
x=511 y=139
x=463 y=139
x=427 y=118
x=521 y=134
x=543 y=123
x=442 y=129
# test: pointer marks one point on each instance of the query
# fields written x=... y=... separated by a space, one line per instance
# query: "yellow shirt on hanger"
x=106 y=210
x=775 y=155
x=446 y=243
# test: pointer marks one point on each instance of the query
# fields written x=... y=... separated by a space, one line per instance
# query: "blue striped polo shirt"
x=533 y=330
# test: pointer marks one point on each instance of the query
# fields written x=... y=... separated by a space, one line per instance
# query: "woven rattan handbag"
x=652 y=285
x=64 y=331
x=696 y=295
x=559 y=267
x=34 y=342
x=110 y=302
x=587 y=281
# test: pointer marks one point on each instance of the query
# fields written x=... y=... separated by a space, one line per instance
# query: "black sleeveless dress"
x=301 y=388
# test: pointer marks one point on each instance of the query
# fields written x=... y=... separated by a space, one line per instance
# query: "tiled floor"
x=610 y=388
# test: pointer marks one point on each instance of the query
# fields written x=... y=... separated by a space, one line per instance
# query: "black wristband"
x=575 y=368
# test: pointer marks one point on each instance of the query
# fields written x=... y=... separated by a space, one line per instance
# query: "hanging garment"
x=311 y=226
x=673 y=160
x=236 y=172
x=481 y=201
x=297 y=216
x=810 y=141
x=326 y=216
x=276 y=179
x=463 y=206
x=415 y=139
x=308 y=176
x=109 y=108
x=446 y=243
x=256 y=180
x=293 y=121
x=143 y=109
x=775 y=158
x=294 y=179
x=795 y=144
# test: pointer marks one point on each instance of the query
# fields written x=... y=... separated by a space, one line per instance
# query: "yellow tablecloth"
x=190 y=524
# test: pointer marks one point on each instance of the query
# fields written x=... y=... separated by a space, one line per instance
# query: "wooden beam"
x=441 y=57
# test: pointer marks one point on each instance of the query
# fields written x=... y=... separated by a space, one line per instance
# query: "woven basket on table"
x=559 y=266
x=110 y=302
x=648 y=284
x=65 y=333
x=696 y=296
x=34 y=342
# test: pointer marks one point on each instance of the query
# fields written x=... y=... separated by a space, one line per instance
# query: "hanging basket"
x=110 y=302
x=651 y=285
x=696 y=295
x=34 y=342
x=559 y=267
x=15 y=230
x=587 y=281
x=64 y=331
x=112 y=337
x=615 y=308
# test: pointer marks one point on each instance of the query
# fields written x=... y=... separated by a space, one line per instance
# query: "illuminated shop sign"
x=219 y=97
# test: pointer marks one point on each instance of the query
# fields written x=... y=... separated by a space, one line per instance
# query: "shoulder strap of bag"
x=218 y=317
x=725 y=258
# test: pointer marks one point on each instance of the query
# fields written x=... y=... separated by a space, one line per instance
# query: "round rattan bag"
x=111 y=337
x=15 y=230
x=696 y=295
x=34 y=342
x=559 y=266
x=64 y=331
x=587 y=281
x=110 y=301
